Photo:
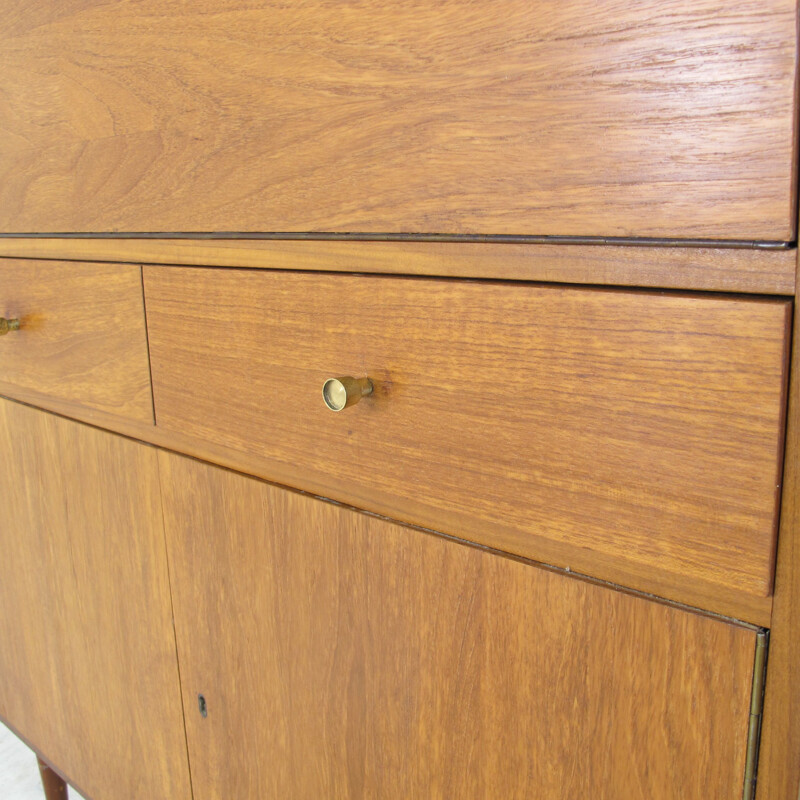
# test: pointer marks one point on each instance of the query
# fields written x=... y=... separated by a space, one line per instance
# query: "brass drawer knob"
x=339 y=393
x=7 y=325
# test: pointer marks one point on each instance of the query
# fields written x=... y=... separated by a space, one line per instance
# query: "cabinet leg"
x=54 y=786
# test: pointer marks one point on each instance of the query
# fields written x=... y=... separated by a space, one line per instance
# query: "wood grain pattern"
x=596 y=430
x=779 y=761
x=344 y=656
x=88 y=661
x=699 y=594
x=83 y=334
x=705 y=268
x=654 y=118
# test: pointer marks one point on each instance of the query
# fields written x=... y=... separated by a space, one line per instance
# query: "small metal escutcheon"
x=7 y=325
x=340 y=393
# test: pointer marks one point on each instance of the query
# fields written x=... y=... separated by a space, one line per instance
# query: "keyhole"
x=201 y=704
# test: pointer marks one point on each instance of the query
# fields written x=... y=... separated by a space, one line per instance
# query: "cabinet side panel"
x=779 y=763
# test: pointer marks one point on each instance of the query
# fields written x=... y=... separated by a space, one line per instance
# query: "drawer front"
x=629 y=435
x=343 y=656
x=554 y=117
x=82 y=337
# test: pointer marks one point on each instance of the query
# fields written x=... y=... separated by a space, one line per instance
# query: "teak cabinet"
x=553 y=549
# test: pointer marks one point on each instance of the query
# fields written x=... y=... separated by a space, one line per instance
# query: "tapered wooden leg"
x=54 y=786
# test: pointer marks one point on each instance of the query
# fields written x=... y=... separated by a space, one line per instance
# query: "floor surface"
x=19 y=775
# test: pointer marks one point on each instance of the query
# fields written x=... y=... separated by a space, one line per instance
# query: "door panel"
x=559 y=117
x=341 y=655
x=88 y=669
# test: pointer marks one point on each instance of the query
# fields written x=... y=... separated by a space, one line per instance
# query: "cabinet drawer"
x=343 y=656
x=554 y=117
x=631 y=435
x=81 y=339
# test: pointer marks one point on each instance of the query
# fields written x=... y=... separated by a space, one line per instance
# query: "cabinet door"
x=88 y=668
x=554 y=117
x=330 y=654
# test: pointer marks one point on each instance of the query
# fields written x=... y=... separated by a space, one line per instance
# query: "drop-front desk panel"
x=537 y=537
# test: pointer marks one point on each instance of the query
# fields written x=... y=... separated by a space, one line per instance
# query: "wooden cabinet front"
x=88 y=669
x=338 y=655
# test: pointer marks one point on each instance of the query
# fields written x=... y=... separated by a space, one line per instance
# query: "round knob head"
x=339 y=393
x=334 y=393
